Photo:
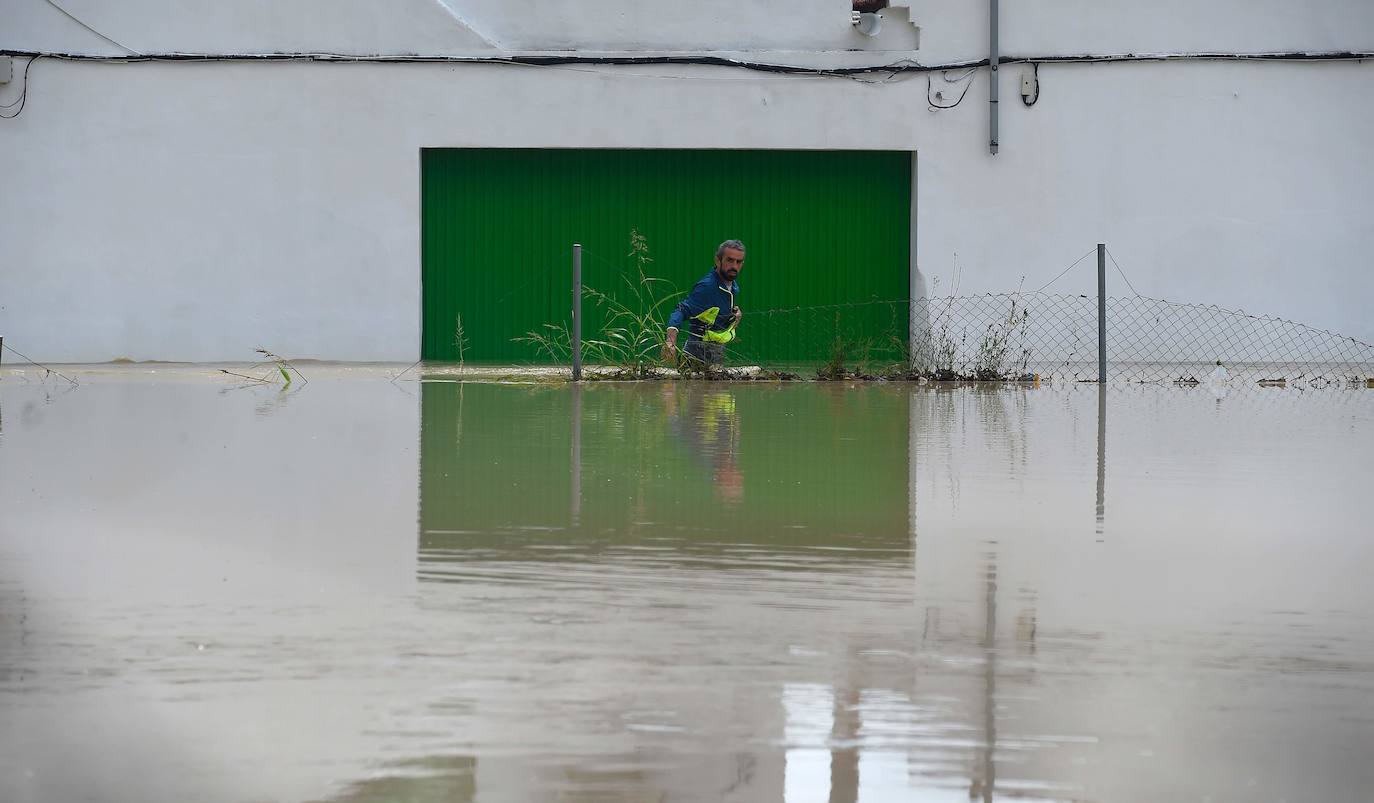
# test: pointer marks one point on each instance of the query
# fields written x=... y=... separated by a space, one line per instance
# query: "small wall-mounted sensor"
x=1030 y=85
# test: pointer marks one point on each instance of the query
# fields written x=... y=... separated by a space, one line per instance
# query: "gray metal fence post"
x=577 y=313
x=1101 y=312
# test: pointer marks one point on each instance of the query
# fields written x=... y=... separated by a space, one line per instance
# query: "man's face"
x=729 y=262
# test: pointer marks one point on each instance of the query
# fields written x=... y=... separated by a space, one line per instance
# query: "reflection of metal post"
x=844 y=761
x=911 y=451
x=577 y=313
x=576 y=514
x=990 y=687
x=1101 y=457
x=1101 y=312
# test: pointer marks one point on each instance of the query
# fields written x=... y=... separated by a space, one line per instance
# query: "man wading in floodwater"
x=710 y=310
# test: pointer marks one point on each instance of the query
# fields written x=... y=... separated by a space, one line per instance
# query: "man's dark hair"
x=735 y=244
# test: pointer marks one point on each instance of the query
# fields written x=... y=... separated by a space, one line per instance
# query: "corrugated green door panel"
x=827 y=232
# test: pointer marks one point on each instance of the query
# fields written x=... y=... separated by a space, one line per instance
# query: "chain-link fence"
x=1049 y=337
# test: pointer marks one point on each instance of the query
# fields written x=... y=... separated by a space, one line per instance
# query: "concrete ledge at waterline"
x=231 y=373
x=215 y=373
x=161 y=371
x=551 y=373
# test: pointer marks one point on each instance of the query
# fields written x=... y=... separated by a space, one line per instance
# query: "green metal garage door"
x=827 y=232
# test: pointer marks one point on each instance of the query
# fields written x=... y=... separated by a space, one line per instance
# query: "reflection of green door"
x=703 y=467
x=822 y=228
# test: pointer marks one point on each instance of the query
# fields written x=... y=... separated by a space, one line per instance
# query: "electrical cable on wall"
x=1031 y=100
x=900 y=66
x=22 y=100
x=92 y=30
x=967 y=76
x=861 y=73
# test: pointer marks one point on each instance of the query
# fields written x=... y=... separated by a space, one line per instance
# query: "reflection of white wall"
x=189 y=211
x=270 y=471
x=902 y=748
x=1008 y=478
x=809 y=709
x=198 y=568
x=1198 y=635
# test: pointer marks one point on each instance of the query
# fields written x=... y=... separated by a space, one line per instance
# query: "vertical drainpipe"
x=993 y=60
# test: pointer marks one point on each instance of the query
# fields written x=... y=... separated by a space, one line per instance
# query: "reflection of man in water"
x=710 y=432
x=709 y=310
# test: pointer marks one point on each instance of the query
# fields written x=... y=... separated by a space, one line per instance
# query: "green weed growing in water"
x=281 y=365
x=632 y=338
x=553 y=340
x=460 y=340
x=937 y=355
x=1001 y=353
x=864 y=354
x=990 y=363
x=833 y=367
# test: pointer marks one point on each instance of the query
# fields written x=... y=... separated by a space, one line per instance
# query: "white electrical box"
x=1027 y=84
x=6 y=69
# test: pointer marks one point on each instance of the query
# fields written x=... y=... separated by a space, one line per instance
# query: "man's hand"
x=670 y=346
x=738 y=315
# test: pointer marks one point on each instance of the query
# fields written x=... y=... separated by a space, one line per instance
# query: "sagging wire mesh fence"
x=1020 y=336
x=1050 y=337
x=1153 y=340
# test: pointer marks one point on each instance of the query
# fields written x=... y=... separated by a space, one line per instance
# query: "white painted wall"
x=954 y=29
x=195 y=211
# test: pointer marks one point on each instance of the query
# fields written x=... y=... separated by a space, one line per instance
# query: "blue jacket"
x=709 y=310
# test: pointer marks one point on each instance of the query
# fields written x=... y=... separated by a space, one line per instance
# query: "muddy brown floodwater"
x=359 y=590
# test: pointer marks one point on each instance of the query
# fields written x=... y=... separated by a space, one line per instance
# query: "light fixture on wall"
x=866 y=23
